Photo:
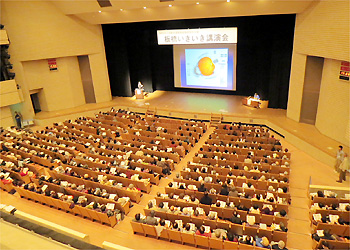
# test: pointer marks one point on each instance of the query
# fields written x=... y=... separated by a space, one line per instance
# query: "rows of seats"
x=271 y=174
x=85 y=212
x=220 y=190
x=191 y=239
x=224 y=206
x=97 y=163
x=49 y=192
x=330 y=218
x=21 y=146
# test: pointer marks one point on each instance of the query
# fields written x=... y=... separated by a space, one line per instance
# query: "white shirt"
x=340 y=155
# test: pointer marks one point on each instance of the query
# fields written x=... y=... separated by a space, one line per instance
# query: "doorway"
x=35 y=102
x=311 y=91
x=86 y=78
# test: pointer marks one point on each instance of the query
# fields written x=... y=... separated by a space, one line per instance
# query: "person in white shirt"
x=339 y=159
x=343 y=168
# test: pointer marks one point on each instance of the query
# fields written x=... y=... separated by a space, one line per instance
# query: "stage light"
x=228 y=1
x=11 y=75
x=170 y=5
x=121 y=9
x=9 y=66
x=99 y=11
x=145 y=7
x=197 y=3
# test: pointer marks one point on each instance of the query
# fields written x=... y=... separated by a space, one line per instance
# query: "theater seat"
x=187 y=238
x=230 y=245
x=201 y=241
x=137 y=227
x=174 y=235
x=149 y=230
x=215 y=243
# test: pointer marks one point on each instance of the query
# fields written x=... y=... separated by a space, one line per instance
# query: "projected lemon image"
x=206 y=66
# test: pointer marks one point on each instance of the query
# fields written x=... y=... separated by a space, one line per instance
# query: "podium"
x=139 y=93
x=254 y=103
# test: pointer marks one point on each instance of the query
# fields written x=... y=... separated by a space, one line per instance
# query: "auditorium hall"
x=175 y=124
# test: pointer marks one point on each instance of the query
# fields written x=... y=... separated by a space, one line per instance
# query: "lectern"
x=139 y=93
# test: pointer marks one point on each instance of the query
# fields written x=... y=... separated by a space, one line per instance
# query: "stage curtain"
x=264 y=50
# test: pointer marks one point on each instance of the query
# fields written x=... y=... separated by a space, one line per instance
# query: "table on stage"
x=255 y=103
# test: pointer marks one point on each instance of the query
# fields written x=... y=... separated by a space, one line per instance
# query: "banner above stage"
x=197 y=36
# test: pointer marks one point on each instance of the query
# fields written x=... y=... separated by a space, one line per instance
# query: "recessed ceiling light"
x=99 y=11
x=145 y=7
x=170 y=5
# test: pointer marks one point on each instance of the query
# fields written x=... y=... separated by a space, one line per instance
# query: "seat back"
x=230 y=245
x=137 y=227
x=174 y=235
x=187 y=238
x=201 y=241
x=278 y=235
x=246 y=246
x=265 y=232
x=149 y=230
x=215 y=243
x=164 y=234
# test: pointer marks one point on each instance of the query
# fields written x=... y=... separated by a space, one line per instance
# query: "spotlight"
x=9 y=66
x=11 y=75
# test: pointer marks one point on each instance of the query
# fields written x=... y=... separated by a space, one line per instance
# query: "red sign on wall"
x=52 y=64
x=344 y=72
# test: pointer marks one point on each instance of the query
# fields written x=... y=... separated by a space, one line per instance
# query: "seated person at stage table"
x=256 y=96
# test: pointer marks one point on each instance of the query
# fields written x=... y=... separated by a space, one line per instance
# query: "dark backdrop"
x=264 y=51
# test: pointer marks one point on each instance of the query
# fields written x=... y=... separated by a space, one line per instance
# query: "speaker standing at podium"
x=139 y=91
x=140 y=86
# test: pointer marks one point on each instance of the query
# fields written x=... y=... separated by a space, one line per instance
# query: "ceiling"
x=154 y=10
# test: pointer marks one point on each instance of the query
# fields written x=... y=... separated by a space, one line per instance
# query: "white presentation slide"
x=207 y=67
x=210 y=66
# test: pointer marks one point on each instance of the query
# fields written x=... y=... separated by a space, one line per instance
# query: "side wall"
x=333 y=108
x=38 y=31
x=61 y=89
x=322 y=30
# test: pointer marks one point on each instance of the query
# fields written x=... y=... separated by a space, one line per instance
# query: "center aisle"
x=125 y=225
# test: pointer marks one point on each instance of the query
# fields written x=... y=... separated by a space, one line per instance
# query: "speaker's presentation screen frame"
x=205 y=66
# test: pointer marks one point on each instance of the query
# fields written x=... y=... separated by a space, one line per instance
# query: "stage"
x=200 y=106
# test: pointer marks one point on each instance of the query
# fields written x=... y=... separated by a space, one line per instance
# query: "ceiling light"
x=228 y=1
x=121 y=9
x=99 y=11
x=170 y=5
x=145 y=7
x=197 y=3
